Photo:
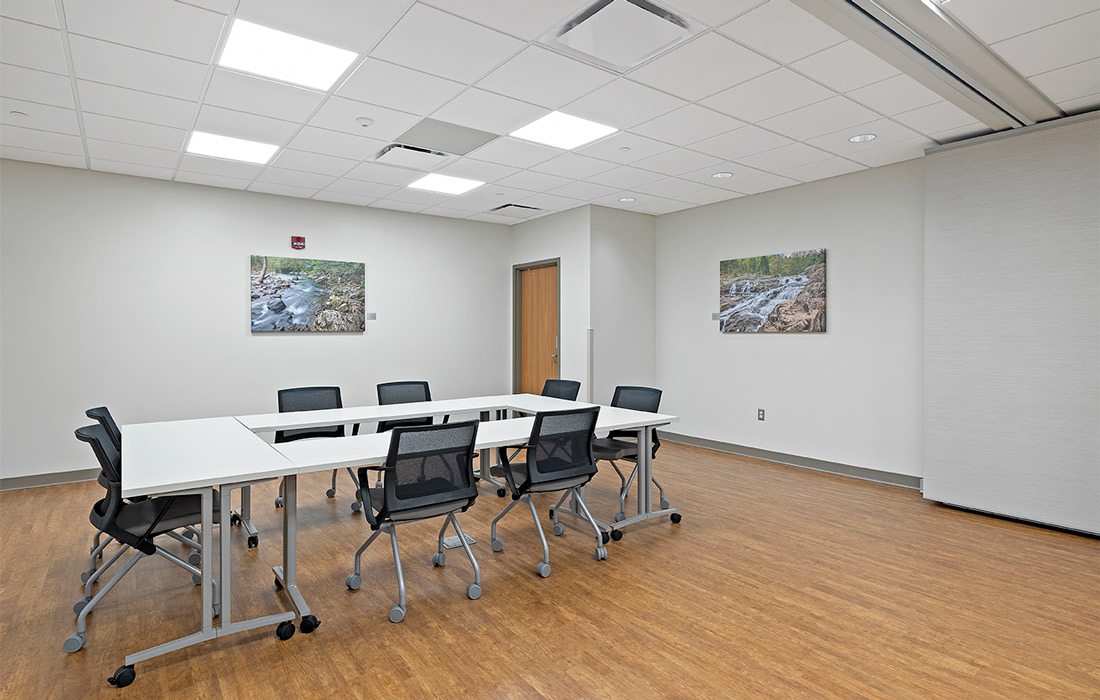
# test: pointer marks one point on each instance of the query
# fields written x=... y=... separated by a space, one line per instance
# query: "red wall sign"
x=298 y=242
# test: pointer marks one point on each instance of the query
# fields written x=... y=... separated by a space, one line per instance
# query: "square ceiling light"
x=229 y=148
x=562 y=130
x=253 y=48
x=433 y=182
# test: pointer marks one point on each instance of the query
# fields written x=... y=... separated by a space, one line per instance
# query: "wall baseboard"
x=820 y=465
x=11 y=483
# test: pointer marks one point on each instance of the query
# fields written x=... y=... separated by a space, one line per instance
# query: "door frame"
x=517 y=315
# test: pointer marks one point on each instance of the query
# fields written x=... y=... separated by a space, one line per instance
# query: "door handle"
x=555 y=356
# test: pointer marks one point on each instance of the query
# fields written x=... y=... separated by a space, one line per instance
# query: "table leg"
x=484 y=469
x=245 y=515
x=287 y=574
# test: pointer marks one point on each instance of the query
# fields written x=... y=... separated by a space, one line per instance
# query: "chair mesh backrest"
x=108 y=456
x=309 y=398
x=429 y=465
x=560 y=446
x=102 y=416
x=561 y=389
x=637 y=398
x=403 y=392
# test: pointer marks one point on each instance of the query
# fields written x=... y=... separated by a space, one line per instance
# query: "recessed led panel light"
x=626 y=199
x=446 y=184
x=862 y=138
x=562 y=130
x=292 y=59
x=215 y=146
x=721 y=176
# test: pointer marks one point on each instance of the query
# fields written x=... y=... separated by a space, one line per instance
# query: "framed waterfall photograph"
x=780 y=293
x=306 y=295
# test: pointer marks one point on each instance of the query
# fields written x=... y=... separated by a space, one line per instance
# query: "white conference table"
x=199 y=456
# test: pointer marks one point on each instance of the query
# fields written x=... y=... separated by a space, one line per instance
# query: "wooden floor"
x=779 y=582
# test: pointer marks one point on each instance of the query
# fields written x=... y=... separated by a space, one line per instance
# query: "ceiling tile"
x=36 y=11
x=469 y=205
x=107 y=128
x=134 y=104
x=341 y=198
x=172 y=28
x=713 y=12
x=687 y=125
x=222 y=6
x=551 y=202
x=1070 y=82
x=448 y=212
x=933 y=118
x=383 y=174
x=886 y=131
x=518 y=154
x=36 y=86
x=44 y=117
x=488 y=111
x=822 y=169
x=241 y=125
x=785 y=157
x=662 y=206
x=33 y=139
x=702 y=67
x=781 y=30
x=669 y=187
x=774 y=93
x=313 y=162
x=583 y=190
x=989 y=20
x=111 y=166
x=573 y=165
x=740 y=143
x=535 y=182
x=397 y=87
x=397 y=206
x=895 y=95
x=421 y=197
x=894 y=152
x=640 y=199
x=477 y=170
x=31 y=46
x=1068 y=42
x=336 y=143
x=845 y=67
x=820 y=118
x=501 y=194
x=222 y=168
x=295 y=178
x=624 y=147
x=348 y=24
x=737 y=171
x=960 y=133
x=493 y=219
x=283 y=190
x=130 y=153
x=33 y=156
x=709 y=195
x=545 y=78
x=761 y=182
x=339 y=114
x=133 y=68
x=1088 y=103
x=211 y=180
x=678 y=162
x=248 y=93
x=526 y=19
x=435 y=42
x=625 y=177
x=622 y=104
x=360 y=188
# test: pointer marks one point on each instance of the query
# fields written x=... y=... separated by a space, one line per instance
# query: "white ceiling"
x=765 y=91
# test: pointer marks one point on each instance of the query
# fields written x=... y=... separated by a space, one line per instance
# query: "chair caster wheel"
x=356 y=506
x=75 y=642
x=80 y=605
x=473 y=591
x=285 y=630
x=559 y=529
x=605 y=537
x=675 y=517
x=278 y=584
x=123 y=677
x=279 y=502
x=543 y=569
x=500 y=493
x=353 y=581
x=189 y=534
x=397 y=614
x=616 y=535
x=439 y=559
x=234 y=519
x=620 y=516
x=253 y=541
x=84 y=576
x=498 y=546
x=664 y=503
x=216 y=611
x=601 y=554
x=196 y=579
x=194 y=559
x=331 y=493
x=309 y=623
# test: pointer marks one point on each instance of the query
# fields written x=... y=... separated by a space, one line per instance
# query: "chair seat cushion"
x=519 y=475
x=136 y=518
x=377 y=497
x=614 y=448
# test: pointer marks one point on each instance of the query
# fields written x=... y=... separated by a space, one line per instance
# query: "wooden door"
x=538 y=356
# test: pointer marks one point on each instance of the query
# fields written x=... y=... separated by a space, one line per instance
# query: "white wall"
x=851 y=395
x=134 y=293
x=623 y=294
x=1012 y=319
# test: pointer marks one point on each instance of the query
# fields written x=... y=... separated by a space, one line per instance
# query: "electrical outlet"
x=759 y=414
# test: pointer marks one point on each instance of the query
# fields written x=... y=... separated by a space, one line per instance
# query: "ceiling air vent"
x=411 y=157
x=520 y=211
x=620 y=34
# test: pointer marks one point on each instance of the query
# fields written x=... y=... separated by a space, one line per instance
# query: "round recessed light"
x=17 y=113
x=626 y=199
x=722 y=175
x=863 y=138
x=364 y=121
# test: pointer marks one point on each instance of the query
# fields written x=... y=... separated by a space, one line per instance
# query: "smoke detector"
x=621 y=34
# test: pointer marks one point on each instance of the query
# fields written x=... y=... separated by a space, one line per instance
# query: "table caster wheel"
x=84 y=576
x=234 y=519
x=75 y=642
x=194 y=559
x=473 y=591
x=80 y=605
x=664 y=503
x=278 y=584
x=285 y=630
x=498 y=546
x=601 y=554
x=675 y=517
x=279 y=502
x=216 y=610
x=439 y=559
x=605 y=537
x=397 y=613
x=353 y=581
x=196 y=579
x=331 y=493
x=309 y=623
x=500 y=493
x=620 y=516
x=123 y=677
x=559 y=529
x=253 y=541
x=543 y=569
x=616 y=535
x=356 y=506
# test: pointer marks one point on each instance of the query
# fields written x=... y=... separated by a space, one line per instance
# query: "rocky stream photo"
x=783 y=293
x=301 y=294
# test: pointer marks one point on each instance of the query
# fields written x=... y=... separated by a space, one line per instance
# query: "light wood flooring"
x=779 y=582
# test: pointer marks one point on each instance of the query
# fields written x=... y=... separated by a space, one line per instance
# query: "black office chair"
x=404 y=392
x=135 y=525
x=561 y=389
x=558 y=458
x=428 y=473
x=314 y=398
x=623 y=444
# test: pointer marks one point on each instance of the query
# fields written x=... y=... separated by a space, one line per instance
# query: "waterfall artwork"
x=305 y=295
x=781 y=293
